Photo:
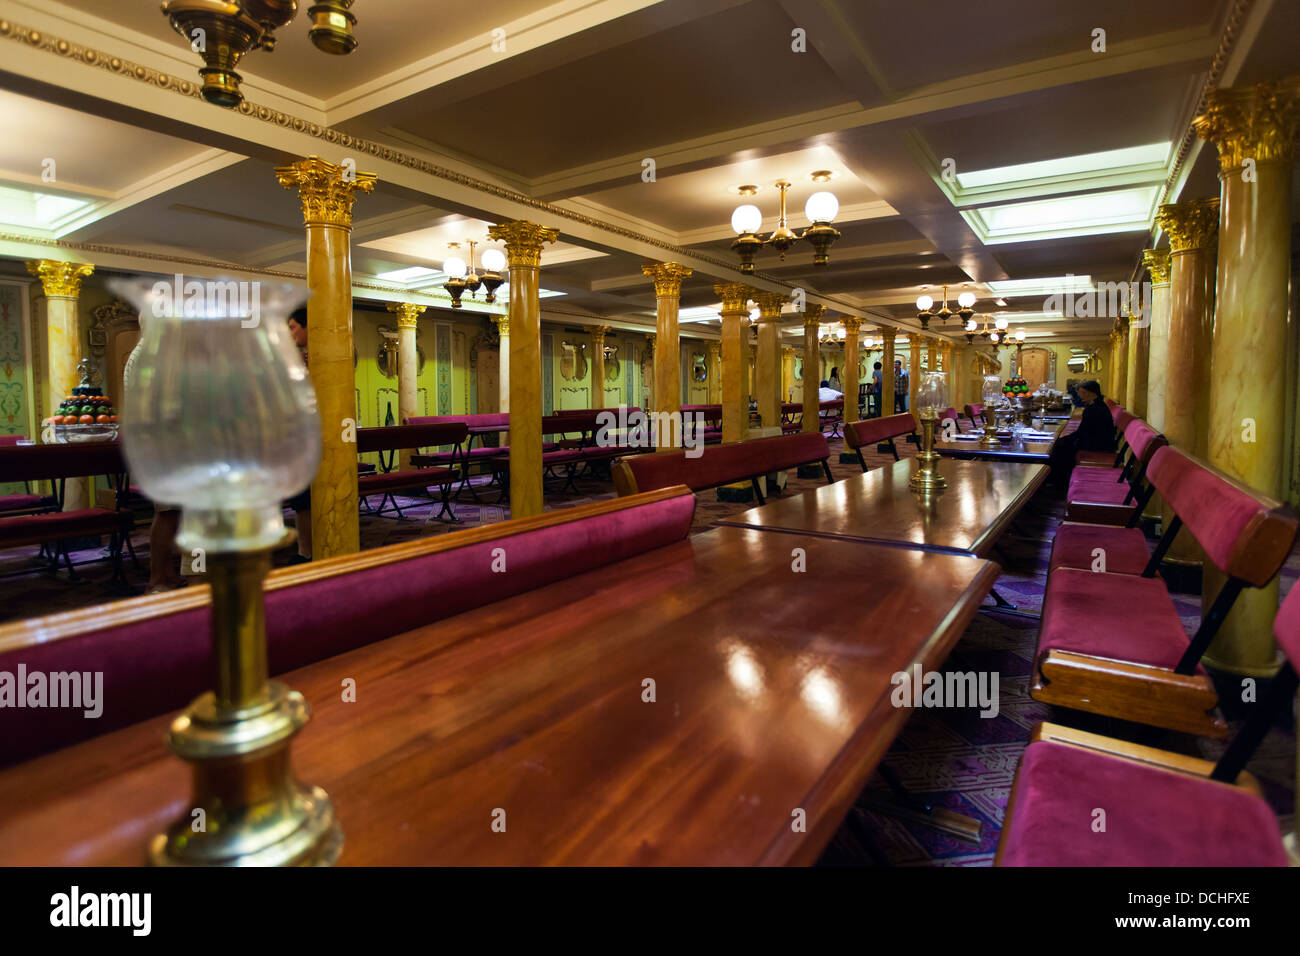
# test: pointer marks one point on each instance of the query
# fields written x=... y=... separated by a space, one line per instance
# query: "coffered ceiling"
x=967 y=143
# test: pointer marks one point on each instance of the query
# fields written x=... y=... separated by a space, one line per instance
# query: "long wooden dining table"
x=1023 y=449
x=879 y=507
x=715 y=701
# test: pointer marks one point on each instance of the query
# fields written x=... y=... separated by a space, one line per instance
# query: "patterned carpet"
x=949 y=758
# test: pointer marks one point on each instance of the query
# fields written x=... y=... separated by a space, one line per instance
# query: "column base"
x=1183 y=577
x=846 y=458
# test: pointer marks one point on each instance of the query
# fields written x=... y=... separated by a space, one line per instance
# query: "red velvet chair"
x=876 y=431
x=1114 y=644
x=394 y=438
x=154 y=652
x=1161 y=808
x=1115 y=496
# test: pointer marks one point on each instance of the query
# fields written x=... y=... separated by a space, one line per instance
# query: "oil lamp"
x=931 y=400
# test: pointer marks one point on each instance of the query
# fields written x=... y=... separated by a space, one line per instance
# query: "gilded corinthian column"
x=914 y=372
x=598 y=365
x=327 y=193
x=849 y=374
x=715 y=373
x=1139 y=345
x=887 y=370
x=503 y=362
x=767 y=377
x=787 y=373
x=1191 y=227
x=735 y=404
x=667 y=277
x=812 y=319
x=523 y=241
x=1157 y=263
x=407 y=365
x=1254 y=129
x=61 y=283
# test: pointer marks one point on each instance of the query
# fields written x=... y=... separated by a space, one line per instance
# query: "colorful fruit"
x=86 y=420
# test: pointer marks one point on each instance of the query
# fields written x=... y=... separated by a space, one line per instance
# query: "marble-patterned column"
x=523 y=242
x=327 y=193
x=61 y=283
x=407 y=367
x=914 y=372
x=667 y=278
x=887 y=371
x=849 y=374
x=649 y=382
x=767 y=380
x=812 y=319
x=1157 y=263
x=503 y=350
x=1254 y=129
x=787 y=373
x=1121 y=362
x=598 y=365
x=735 y=329
x=715 y=373
x=1139 y=344
x=1191 y=227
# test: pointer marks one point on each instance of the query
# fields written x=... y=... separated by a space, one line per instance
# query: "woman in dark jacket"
x=1096 y=432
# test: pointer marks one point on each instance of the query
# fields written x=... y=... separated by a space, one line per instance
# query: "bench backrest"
x=479 y=420
x=1246 y=534
x=711 y=413
x=627 y=410
x=1143 y=439
x=11 y=439
x=1122 y=418
x=391 y=437
x=719 y=464
x=154 y=651
x=71 y=460
x=869 y=431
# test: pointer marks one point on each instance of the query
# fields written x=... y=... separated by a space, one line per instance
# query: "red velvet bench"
x=722 y=464
x=975 y=412
x=57 y=463
x=831 y=413
x=1114 y=644
x=154 y=652
x=24 y=503
x=577 y=431
x=1162 y=808
x=875 y=431
x=396 y=437
x=1115 y=496
x=711 y=415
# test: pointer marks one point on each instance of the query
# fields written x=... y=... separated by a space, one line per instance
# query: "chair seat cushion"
x=1118 y=617
x=396 y=480
x=1154 y=817
x=24 y=502
x=1102 y=489
x=1124 y=549
x=563 y=456
x=32 y=529
x=1104 y=459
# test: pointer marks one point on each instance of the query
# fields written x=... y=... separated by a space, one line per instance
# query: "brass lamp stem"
x=927 y=477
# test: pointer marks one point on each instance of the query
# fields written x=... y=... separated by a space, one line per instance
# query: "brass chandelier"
x=925 y=310
x=991 y=335
x=821 y=209
x=461 y=276
x=223 y=31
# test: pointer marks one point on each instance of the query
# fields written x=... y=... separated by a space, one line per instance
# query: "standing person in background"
x=301 y=502
x=877 y=387
x=900 y=387
x=835 y=380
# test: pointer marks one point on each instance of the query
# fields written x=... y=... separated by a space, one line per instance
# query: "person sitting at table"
x=827 y=394
x=301 y=502
x=1096 y=432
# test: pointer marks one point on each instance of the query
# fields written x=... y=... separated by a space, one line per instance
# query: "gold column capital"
x=770 y=305
x=667 y=277
x=523 y=241
x=407 y=313
x=715 y=349
x=814 y=313
x=1251 y=122
x=852 y=325
x=787 y=350
x=597 y=333
x=1157 y=263
x=60 y=279
x=735 y=296
x=503 y=324
x=325 y=190
x=1191 y=225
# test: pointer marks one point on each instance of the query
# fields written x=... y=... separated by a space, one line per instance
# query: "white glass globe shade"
x=993 y=337
x=1020 y=335
x=971 y=325
x=494 y=260
x=746 y=218
x=1001 y=323
x=821 y=207
x=966 y=300
x=923 y=303
x=454 y=267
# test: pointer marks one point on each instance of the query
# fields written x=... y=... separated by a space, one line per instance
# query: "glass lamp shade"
x=1001 y=323
x=971 y=325
x=821 y=207
x=966 y=300
x=220 y=417
x=932 y=393
x=1020 y=335
x=923 y=303
x=746 y=219
x=992 y=391
x=995 y=338
x=455 y=267
x=494 y=260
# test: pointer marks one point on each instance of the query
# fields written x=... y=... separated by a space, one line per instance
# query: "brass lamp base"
x=990 y=439
x=926 y=477
x=254 y=811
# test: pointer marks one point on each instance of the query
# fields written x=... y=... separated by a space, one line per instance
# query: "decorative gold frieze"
x=1157 y=263
x=1251 y=123
x=667 y=278
x=60 y=279
x=523 y=241
x=735 y=296
x=1191 y=225
x=326 y=191
x=407 y=313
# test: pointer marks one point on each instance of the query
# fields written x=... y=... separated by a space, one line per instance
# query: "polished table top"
x=967 y=517
x=1011 y=449
x=771 y=696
